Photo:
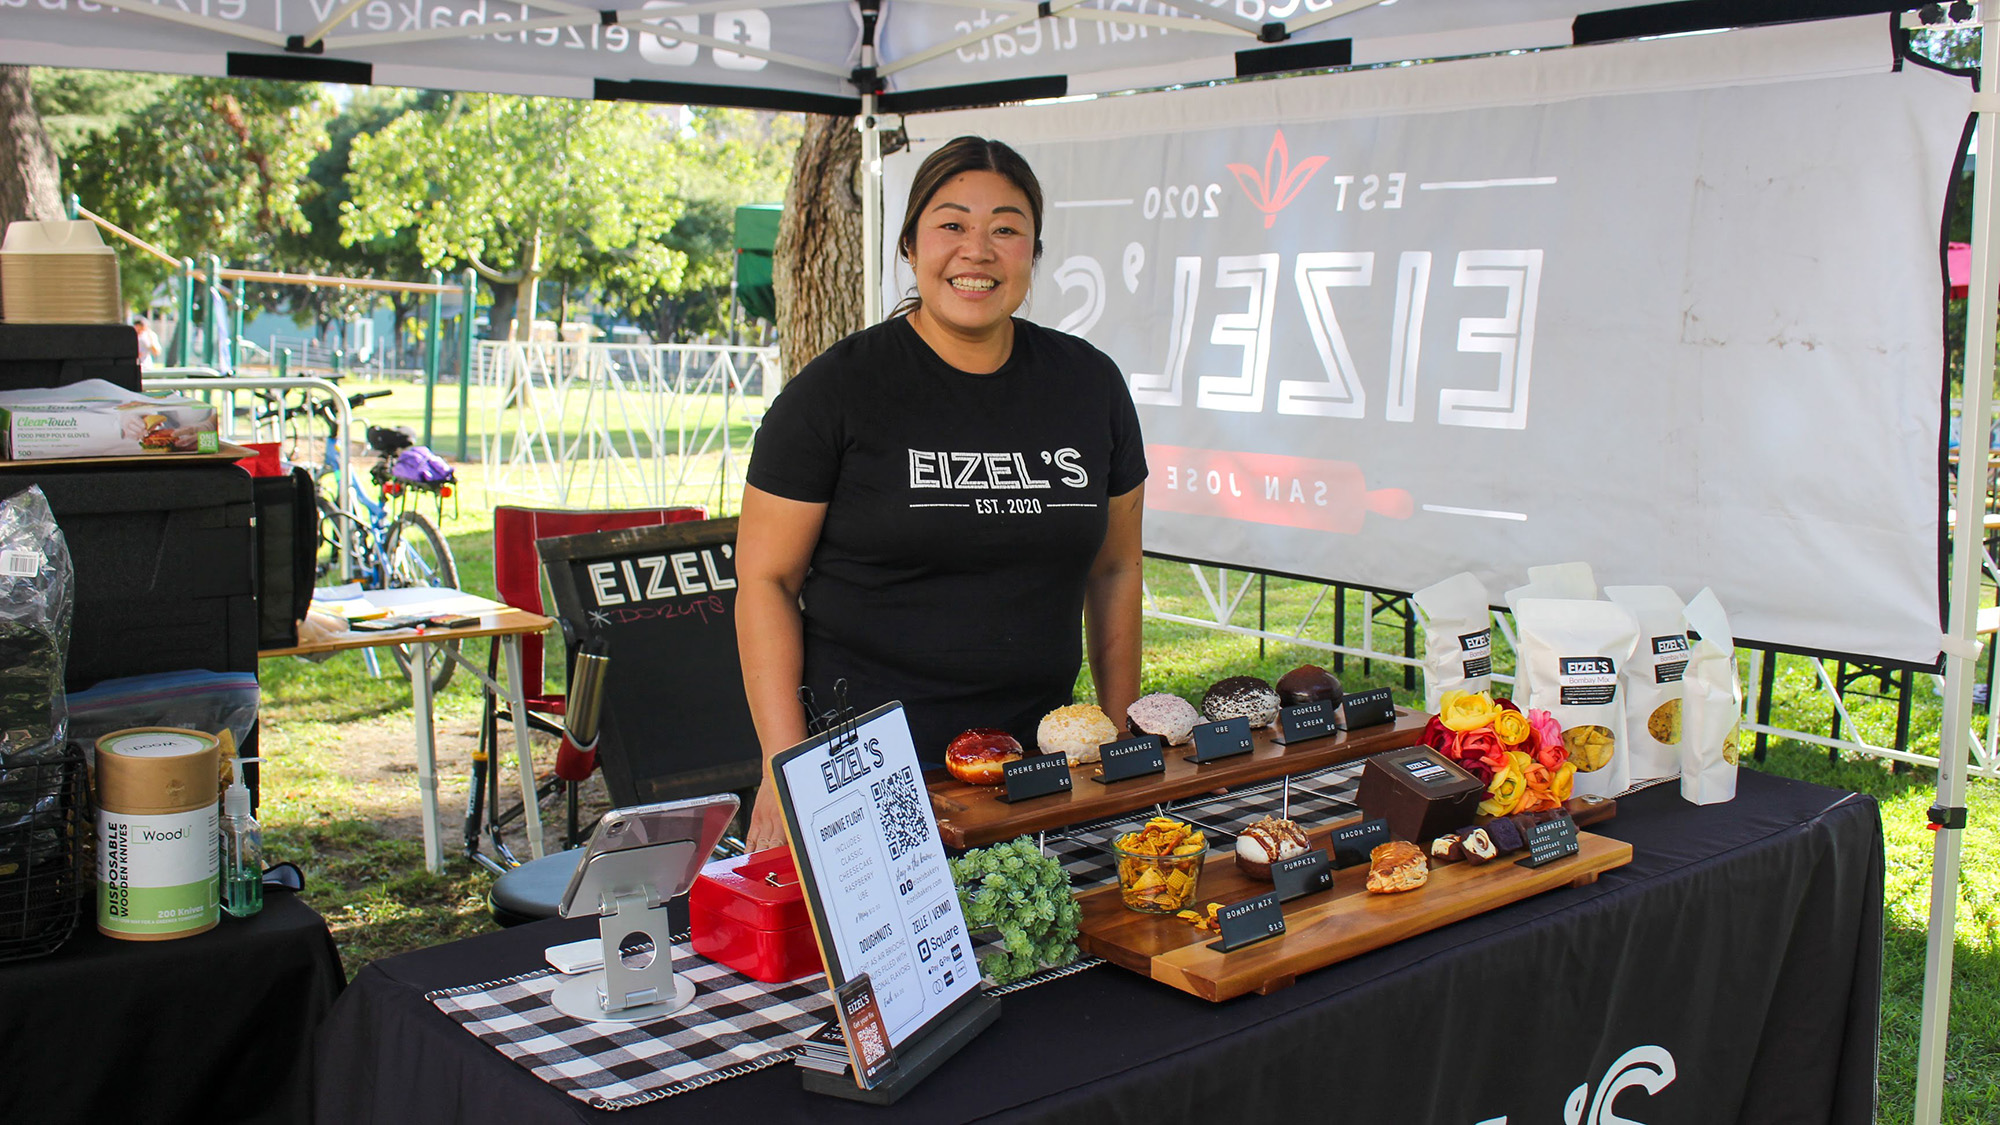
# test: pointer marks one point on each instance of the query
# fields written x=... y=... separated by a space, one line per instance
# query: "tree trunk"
x=531 y=281
x=500 y=317
x=816 y=265
x=29 y=184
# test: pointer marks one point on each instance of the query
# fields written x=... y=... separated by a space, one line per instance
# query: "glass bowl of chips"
x=1159 y=865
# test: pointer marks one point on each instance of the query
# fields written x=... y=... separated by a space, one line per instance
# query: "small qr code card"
x=867 y=1038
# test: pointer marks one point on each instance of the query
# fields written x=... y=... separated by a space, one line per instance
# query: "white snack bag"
x=1458 y=637
x=1571 y=652
x=1711 y=741
x=1572 y=580
x=1653 y=679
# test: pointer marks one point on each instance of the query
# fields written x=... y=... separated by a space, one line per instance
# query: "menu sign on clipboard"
x=874 y=869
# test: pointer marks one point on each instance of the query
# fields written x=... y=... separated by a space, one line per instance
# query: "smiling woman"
x=936 y=502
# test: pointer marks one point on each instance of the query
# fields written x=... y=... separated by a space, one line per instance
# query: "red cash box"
x=749 y=913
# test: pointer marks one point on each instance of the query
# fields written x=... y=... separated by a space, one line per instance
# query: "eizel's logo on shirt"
x=943 y=469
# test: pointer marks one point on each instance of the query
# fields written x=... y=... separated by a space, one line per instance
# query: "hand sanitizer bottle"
x=242 y=851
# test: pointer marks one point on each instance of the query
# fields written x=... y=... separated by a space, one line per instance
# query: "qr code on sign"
x=868 y=1037
x=898 y=802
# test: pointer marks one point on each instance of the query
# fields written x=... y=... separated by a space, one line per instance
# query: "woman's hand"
x=767 y=824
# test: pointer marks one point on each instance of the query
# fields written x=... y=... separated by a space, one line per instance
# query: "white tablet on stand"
x=639 y=859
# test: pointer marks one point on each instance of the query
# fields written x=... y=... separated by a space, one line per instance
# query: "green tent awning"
x=756 y=236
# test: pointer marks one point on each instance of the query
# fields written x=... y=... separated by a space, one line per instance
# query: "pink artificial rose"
x=1547 y=740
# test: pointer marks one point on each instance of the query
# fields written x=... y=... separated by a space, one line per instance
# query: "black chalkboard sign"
x=662 y=601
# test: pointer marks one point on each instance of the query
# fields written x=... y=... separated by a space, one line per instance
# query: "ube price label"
x=1252 y=920
x=1038 y=776
x=1225 y=739
x=1131 y=757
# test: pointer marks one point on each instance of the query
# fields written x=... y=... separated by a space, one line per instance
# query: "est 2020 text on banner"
x=874 y=868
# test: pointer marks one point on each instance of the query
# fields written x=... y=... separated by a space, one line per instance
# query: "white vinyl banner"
x=1670 y=307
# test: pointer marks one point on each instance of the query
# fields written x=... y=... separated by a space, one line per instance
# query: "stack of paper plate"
x=57 y=273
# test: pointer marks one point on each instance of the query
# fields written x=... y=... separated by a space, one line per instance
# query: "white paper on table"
x=432 y=601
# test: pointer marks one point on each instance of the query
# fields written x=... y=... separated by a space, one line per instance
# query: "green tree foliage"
x=322 y=248
x=207 y=166
x=521 y=189
x=80 y=105
x=724 y=158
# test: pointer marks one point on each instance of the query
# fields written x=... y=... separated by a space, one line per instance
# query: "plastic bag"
x=36 y=603
x=419 y=464
x=193 y=700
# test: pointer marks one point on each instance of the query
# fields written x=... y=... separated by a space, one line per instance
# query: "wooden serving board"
x=971 y=815
x=1322 y=928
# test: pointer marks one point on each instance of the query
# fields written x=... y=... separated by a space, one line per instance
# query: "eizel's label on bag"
x=1587 y=681
x=1670 y=654
x=156 y=873
x=1478 y=649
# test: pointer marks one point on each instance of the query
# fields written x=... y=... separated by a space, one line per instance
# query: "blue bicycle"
x=383 y=542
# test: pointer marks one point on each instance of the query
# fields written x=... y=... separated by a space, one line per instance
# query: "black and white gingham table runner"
x=735 y=1025
x=1315 y=799
x=738 y=1025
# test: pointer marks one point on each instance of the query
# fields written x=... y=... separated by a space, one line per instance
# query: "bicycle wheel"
x=417 y=555
x=335 y=529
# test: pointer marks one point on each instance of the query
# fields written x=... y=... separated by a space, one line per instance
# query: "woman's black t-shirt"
x=963 y=513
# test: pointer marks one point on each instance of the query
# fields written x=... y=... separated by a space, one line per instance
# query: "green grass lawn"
x=371 y=886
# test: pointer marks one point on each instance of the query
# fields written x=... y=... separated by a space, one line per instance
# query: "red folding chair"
x=517 y=578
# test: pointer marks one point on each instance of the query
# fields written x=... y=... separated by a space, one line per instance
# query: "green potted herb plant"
x=1024 y=896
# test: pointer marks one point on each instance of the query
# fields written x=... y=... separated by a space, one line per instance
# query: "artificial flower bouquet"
x=1519 y=755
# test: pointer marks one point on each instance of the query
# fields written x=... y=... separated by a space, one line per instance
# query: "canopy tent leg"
x=1962 y=646
x=871 y=206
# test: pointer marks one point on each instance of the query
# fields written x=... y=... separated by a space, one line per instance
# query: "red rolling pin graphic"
x=1268 y=488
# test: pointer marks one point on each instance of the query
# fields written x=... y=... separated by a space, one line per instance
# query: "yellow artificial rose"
x=1563 y=781
x=1504 y=792
x=1465 y=710
x=1511 y=726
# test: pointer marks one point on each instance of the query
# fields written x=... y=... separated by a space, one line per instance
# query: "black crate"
x=45 y=829
x=54 y=355
x=287 y=540
x=164 y=560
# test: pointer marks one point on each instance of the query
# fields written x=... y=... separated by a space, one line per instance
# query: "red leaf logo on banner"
x=1280 y=182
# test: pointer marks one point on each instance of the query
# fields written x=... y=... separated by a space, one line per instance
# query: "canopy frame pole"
x=871 y=212
x=1982 y=306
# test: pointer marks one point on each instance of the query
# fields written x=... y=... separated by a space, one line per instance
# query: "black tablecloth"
x=1732 y=972
x=211 y=1028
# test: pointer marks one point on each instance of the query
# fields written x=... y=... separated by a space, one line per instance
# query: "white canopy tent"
x=878 y=58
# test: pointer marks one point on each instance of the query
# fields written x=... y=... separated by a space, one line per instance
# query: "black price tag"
x=1352 y=844
x=1225 y=739
x=1317 y=719
x=1132 y=757
x=1301 y=875
x=1251 y=920
x=1551 y=840
x=1038 y=776
x=1368 y=709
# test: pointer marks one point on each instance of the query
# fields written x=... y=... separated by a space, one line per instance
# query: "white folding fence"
x=579 y=425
